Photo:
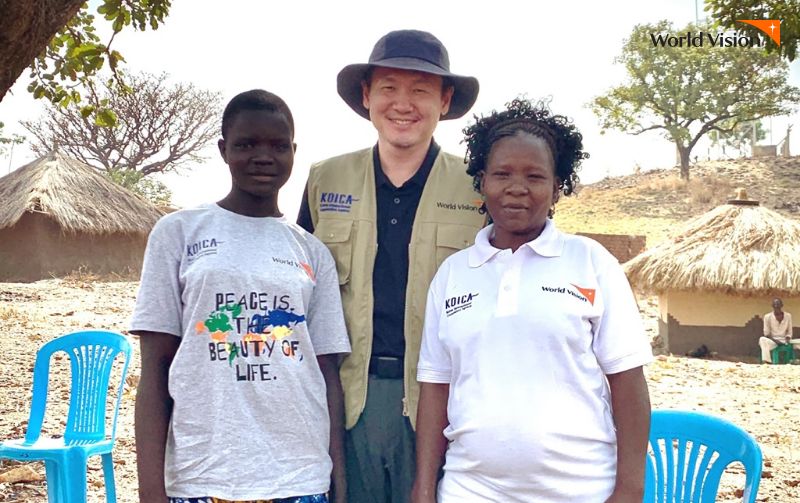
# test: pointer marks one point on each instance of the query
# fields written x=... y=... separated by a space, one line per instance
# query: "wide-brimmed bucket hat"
x=408 y=50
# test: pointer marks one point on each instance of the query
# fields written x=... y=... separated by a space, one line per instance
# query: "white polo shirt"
x=525 y=340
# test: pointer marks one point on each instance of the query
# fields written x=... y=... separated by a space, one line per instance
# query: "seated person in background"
x=777 y=330
x=531 y=362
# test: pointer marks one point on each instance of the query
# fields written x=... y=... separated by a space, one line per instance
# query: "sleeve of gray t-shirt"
x=158 y=303
x=325 y=319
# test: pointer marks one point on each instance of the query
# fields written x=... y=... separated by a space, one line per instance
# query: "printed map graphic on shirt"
x=265 y=334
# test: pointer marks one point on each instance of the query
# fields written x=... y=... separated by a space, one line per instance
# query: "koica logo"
x=337 y=202
x=458 y=303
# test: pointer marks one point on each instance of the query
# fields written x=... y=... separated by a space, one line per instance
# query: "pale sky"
x=564 y=50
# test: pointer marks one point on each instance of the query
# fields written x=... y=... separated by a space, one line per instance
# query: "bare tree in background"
x=160 y=126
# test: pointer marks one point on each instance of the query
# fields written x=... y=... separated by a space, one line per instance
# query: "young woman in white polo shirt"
x=532 y=353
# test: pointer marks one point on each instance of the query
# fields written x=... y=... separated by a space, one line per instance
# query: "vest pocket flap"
x=336 y=236
x=454 y=236
x=334 y=231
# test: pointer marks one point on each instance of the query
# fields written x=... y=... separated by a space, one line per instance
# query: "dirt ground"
x=760 y=398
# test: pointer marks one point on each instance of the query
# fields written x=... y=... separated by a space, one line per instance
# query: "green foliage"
x=76 y=54
x=105 y=118
x=153 y=190
x=687 y=92
x=127 y=178
x=727 y=12
x=8 y=140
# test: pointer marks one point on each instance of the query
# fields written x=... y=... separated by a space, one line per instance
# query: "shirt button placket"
x=508 y=295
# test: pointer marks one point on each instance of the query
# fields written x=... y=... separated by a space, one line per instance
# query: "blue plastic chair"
x=92 y=354
x=688 y=453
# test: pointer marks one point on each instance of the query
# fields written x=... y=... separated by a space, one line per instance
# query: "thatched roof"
x=736 y=249
x=76 y=196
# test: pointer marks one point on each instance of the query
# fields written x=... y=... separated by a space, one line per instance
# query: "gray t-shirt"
x=255 y=300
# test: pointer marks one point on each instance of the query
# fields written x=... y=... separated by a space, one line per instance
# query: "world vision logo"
x=473 y=205
x=586 y=292
x=293 y=263
x=708 y=39
x=309 y=271
x=335 y=201
x=583 y=294
x=770 y=27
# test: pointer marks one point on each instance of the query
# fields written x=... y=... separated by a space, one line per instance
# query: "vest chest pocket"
x=451 y=238
x=336 y=236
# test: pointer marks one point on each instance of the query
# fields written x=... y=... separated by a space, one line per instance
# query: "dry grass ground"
x=759 y=398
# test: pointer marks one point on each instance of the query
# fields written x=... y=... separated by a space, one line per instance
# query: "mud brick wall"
x=622 y=246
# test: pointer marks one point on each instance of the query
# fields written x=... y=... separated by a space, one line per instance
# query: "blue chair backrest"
x=92 y=354
x=689 y=451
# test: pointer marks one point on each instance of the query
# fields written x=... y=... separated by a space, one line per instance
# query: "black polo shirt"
x=396 y=208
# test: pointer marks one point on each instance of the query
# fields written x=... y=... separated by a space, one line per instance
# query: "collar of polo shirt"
x=550 y=243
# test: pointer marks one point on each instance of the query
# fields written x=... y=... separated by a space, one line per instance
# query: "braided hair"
x=558 y=132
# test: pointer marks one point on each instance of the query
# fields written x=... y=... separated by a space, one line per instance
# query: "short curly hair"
x=521 y=114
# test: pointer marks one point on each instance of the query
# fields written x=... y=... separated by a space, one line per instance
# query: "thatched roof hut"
x=715 y=278
x=75 y=196
x=734 y=249
x=58 y=215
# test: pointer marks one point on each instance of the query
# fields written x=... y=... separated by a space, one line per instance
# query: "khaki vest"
x=341 y=197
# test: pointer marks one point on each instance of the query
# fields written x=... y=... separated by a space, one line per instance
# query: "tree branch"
x=161 y=127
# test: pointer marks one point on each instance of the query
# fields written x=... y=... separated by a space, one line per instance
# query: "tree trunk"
x=26 y=27
x=684 y=155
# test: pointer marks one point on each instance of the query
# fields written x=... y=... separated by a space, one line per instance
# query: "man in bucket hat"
x=390 y=214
